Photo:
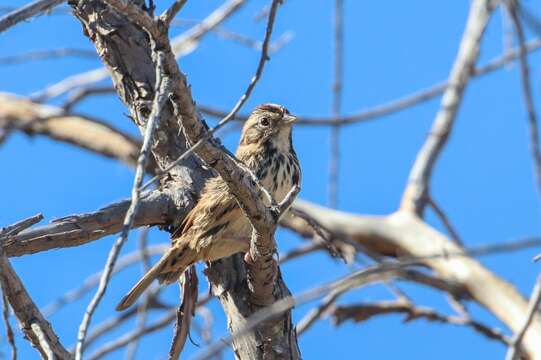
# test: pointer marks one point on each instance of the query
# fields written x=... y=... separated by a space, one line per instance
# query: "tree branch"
x=363 y=312
x=32 y=323
x=26 y=12
x=85 y=132
x=533 y=310
x=416 y=193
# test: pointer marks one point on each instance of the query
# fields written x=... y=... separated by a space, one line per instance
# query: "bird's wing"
x=214 y=198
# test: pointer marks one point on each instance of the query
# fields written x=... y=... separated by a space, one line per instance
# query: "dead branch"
x=417 y=191
x=185 y=313
x=364 y=312
x=36 y=329
x=156 y=208
x=334 y=164
x=9 y=331
x=132 y=336
x=35 y=55
x=21 y=114
x=163 y=86
x=527 y=92
x=30 y=10
x=93 y=280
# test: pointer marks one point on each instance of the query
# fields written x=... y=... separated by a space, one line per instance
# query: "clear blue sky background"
x=484 y=179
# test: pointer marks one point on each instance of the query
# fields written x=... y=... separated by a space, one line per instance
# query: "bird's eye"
x=264 y=122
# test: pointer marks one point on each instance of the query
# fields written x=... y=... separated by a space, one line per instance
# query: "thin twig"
x=35 y=55
x=114 y=322
x=310 y=319
x=142 y=312
x=399 y=104
x=26 y=12
x=445 y=220
x=93 y=280
x=162 y=92
x=9 y=330
x=80 y=94
x=132 y=336
x=533 y=307
x=528 y=97
x=70 y=83
x=334 y=166
x=34 y=325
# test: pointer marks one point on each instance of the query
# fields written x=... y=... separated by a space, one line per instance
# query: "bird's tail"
x=170 y=266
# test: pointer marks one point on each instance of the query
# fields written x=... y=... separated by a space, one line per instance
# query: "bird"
x=216 y=227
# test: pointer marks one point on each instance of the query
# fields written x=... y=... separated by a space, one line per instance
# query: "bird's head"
x=268 y=122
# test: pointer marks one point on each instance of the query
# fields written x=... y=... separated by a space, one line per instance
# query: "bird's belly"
x=278 y=184
x=233 y=239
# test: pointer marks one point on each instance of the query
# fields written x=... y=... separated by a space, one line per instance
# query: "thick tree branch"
x=156 y=208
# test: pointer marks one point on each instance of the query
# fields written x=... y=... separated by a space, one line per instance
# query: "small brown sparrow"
x=216 y=227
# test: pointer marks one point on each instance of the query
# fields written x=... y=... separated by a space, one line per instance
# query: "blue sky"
x=484 y=179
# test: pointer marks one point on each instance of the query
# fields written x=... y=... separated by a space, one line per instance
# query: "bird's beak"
x=289 y=119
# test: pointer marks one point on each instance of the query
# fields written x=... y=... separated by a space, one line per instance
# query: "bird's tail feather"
x=171 y=257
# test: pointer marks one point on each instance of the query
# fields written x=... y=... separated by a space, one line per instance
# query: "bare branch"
x=142 y=242
x=309 y=319
x=70 y=83
x=46 y=54
x=157 y=208
x=93 y=280
x=533 y=308
x=163 y=87
x=336 y=102
x=32 y=323
x=171 y=12
x=9 y=330
x=187 y=42
x=132 y=336
x=527 y=93
x=85 y=132
x=12 y=230
x=182 y=45
x=445 y=220
x=185 y=313
x=394 y=105
x=417 y=191
x=80 y=94
x=363 y=312
x=26 y=12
